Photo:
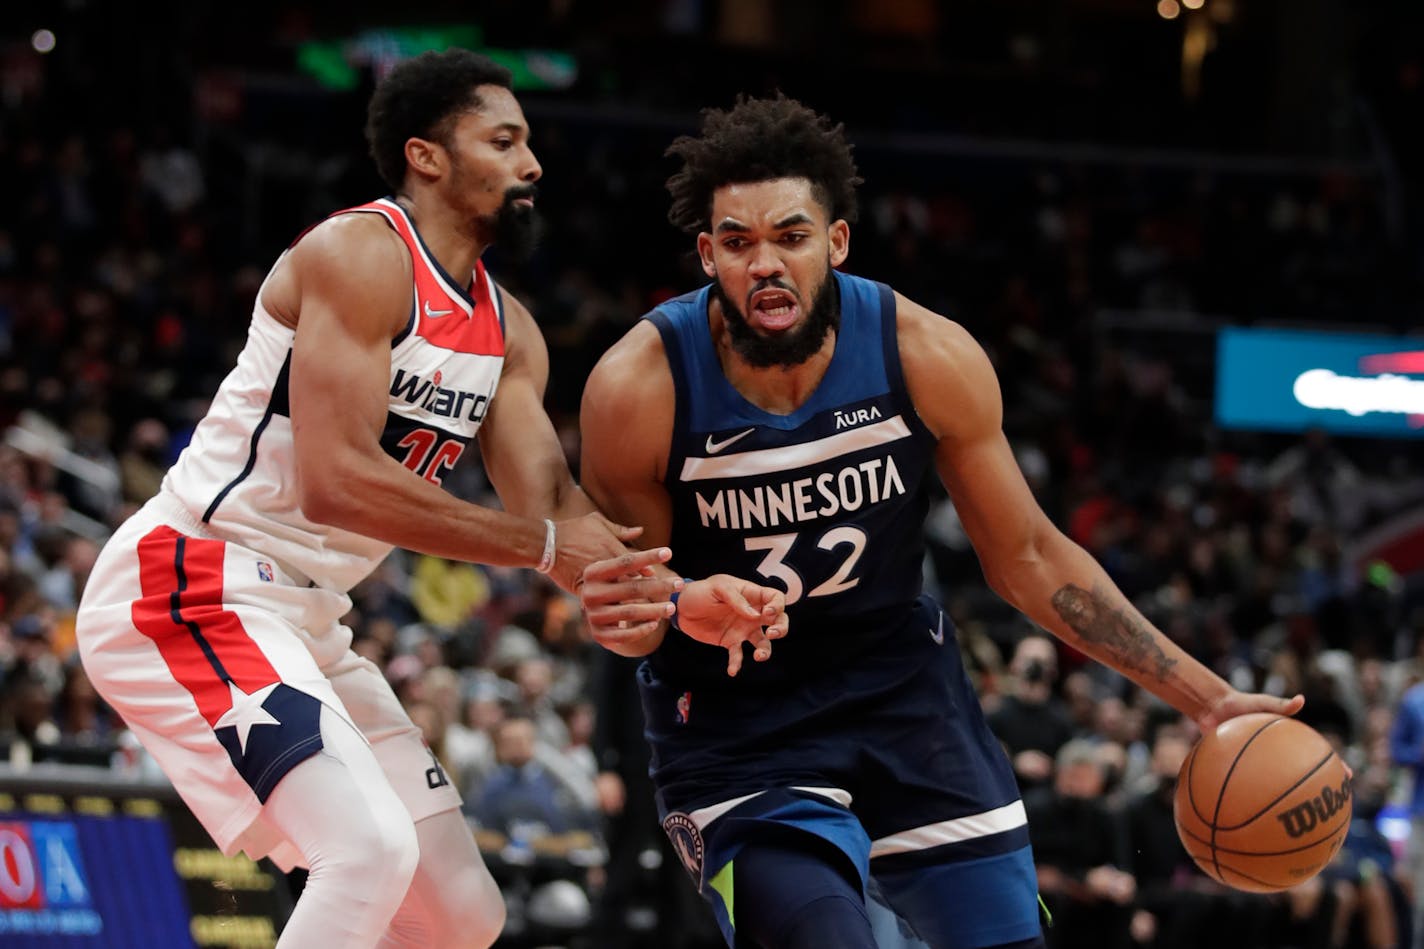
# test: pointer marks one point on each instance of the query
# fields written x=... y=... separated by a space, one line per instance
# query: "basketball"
x=1263 y=803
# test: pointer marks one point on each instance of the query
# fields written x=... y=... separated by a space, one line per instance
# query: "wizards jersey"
x=828 y=503
x=238 y=476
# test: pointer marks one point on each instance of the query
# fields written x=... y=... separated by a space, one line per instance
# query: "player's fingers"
x=734 y=658
x=629 y=613
x=656 y=589
x=632 y=562
x=615 y=635
x=731 y=595
x=779 y=626
x=624 y=531
x=761 y=644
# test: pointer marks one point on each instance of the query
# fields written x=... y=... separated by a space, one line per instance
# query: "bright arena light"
x=1168 y=9
x=1193 y=4
x=42 y=41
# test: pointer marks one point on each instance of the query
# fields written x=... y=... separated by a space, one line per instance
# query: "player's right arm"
x=1025 y=558
x=626 y=425
x=351 y=280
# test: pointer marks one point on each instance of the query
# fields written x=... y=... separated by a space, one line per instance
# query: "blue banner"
x=1279 y=380
x=89 y=881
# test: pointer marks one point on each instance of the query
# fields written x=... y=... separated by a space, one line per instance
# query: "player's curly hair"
x=418 y=98
x=758 y=140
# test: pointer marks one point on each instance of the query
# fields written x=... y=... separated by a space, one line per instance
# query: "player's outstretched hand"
x=623 y=599
x=580 y=541
x=726 y=611
x=1236 y=703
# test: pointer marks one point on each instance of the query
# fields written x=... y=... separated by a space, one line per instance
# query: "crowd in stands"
x=127 y=274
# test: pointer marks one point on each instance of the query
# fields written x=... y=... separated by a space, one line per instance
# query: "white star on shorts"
x=247 y=711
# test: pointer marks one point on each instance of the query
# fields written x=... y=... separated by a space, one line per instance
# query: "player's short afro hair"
x=759 y=140
x=416 y=100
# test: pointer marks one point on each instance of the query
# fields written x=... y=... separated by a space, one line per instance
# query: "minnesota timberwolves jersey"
x=237 y=478
x=827 y=503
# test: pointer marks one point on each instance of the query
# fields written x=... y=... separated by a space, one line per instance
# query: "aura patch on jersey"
x=825 y=502
x=266 y=727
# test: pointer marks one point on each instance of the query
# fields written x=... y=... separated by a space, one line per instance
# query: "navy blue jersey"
x=827 y=503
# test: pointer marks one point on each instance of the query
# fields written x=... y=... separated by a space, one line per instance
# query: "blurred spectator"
x=144 y=461
x=32 y=728
x=1030 y=721
x=1406 y=745
x=82 y=716
x=521 y=799
x=1081 y=850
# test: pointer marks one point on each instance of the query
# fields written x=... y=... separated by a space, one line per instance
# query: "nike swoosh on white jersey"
x=435 y=314
x=714 y=447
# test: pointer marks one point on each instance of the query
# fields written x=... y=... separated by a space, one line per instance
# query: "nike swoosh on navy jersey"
x=714 y=447
x=938 y=635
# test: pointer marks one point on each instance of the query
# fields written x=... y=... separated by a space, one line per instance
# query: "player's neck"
x=448 y=235
x=779 y=390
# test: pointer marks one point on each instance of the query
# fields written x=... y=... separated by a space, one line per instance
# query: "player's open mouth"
x=774 y=309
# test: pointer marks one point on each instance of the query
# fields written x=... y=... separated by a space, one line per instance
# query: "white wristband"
x=546 y=562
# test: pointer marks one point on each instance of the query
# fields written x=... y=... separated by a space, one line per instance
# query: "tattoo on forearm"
x=1093 y=617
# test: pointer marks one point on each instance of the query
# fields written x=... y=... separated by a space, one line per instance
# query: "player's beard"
x=792 y=347
x=515 y=228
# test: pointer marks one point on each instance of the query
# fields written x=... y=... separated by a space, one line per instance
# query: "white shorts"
x=219 y=660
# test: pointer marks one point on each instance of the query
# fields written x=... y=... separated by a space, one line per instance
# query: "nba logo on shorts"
x=264 y=571
x=684 y=708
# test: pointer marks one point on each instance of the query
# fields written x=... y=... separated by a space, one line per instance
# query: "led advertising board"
x=1278 y=380
x=101 y=868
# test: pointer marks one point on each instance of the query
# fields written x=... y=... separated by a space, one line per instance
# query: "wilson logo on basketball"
x=1305 y=817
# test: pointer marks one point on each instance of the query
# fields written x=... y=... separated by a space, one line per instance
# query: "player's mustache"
x=771 y=283
x=521 y=191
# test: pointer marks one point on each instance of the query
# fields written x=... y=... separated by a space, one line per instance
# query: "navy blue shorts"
x=888 y=758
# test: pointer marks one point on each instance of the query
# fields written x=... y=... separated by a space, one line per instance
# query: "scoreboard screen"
x=90 y=864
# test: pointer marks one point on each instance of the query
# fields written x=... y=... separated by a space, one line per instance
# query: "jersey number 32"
x=778 y=546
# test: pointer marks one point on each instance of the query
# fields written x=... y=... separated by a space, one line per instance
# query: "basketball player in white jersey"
x=378 y=349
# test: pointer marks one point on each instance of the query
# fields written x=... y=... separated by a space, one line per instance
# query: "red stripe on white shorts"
x=165 y=618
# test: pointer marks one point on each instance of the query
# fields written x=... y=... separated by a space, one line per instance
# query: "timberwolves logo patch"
x=687 y=841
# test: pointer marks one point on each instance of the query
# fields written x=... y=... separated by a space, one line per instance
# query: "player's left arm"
x=1025 y=558
x=522 y=454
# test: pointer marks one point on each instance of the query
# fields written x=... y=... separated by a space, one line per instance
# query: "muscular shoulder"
x=354 y=263
x=524 y=346
x=948 y=374
x=630 y=395
x=634 y=368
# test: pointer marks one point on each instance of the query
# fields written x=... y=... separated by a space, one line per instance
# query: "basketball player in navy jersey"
x=783 y=424
x=379 y=348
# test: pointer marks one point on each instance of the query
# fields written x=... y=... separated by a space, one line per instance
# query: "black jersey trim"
x=890 y=340
x=890 y=355
x=459 y=289
x=279 y=400
x=497 y=298
x=409 y=323
x=672 y=346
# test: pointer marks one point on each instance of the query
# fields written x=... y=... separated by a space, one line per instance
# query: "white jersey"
x=238 y=478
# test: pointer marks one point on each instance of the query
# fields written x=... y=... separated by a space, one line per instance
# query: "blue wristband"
x=672 y=620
